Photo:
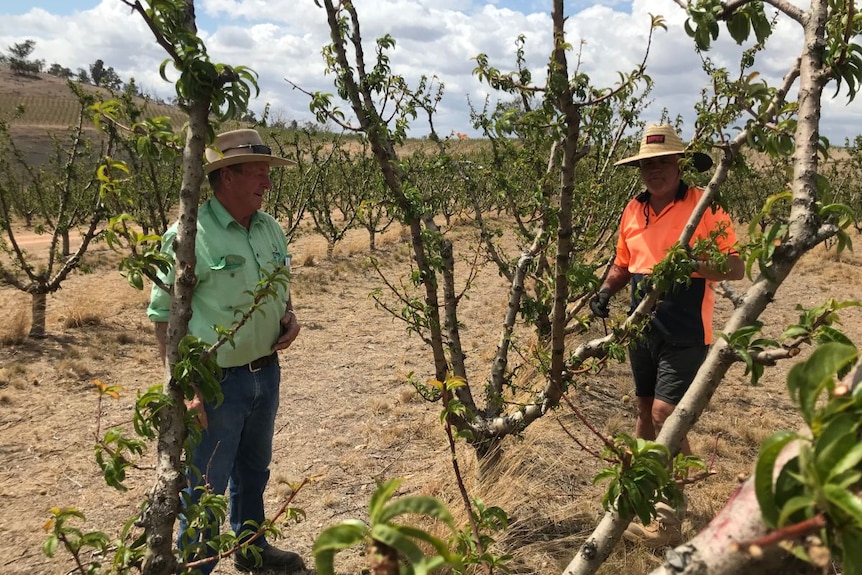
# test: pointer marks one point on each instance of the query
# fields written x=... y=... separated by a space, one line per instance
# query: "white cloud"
x=282 y=39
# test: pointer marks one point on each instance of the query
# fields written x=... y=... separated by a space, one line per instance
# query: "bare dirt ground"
x=348 y=417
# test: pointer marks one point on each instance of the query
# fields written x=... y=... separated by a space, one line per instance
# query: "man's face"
x=661 y=175
x=245 y=185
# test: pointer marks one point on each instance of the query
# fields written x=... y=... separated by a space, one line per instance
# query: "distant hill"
x=50 y=108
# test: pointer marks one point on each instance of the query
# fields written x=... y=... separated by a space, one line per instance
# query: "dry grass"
x=14 y=330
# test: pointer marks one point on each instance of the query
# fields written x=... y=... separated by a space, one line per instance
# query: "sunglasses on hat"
x=255 y=149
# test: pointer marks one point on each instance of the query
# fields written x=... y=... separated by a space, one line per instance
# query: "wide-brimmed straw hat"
x=661 y=140
x=239 y=147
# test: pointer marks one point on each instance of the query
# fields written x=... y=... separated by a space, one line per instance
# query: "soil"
x=348 y=417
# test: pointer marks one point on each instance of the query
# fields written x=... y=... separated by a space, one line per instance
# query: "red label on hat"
x=655 y=139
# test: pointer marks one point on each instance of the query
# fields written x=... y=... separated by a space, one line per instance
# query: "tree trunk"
x=383 y=559
x=712 y=550
x=38 y=308
x=164 y=497
x=722 y=547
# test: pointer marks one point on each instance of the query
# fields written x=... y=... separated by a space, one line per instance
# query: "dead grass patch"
x=75 y=368
x=409 y=395
x=125 y=338
x=352 y=244
x=15 y=328
x=78 y=318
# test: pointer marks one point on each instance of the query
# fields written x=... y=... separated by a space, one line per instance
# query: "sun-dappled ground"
x=348 y=417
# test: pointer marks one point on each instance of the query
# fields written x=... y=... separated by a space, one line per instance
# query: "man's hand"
x=599 y=304
x=289 y=330
x=692 y=265
x=196 y=405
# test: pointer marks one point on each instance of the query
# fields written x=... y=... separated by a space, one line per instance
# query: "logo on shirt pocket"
x=229 y=263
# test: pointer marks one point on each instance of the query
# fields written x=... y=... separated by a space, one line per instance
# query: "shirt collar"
x=644 y=196
x=222 y=216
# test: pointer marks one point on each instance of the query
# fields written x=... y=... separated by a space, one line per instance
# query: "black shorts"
x=663 y=370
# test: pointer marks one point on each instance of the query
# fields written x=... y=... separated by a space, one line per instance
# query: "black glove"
x=693 y=265
x=599 y=304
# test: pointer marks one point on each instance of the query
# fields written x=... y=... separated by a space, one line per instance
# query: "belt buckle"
x=260 y=363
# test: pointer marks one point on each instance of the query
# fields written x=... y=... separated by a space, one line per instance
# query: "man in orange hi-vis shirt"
x=677 y=338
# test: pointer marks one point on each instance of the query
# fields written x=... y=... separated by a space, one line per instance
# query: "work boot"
x=665 y=530
x=655 y=535
x=271 y=559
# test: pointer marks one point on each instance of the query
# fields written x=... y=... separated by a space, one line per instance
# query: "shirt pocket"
x=229 y=277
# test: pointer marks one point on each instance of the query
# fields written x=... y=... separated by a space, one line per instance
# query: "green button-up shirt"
x=230 y=262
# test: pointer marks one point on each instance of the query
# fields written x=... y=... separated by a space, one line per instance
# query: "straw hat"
x=661 y=140
x=239 y=147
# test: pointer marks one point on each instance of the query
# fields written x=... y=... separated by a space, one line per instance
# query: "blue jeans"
x=236 y=447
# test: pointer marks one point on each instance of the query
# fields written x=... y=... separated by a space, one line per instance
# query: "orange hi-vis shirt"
x=684 y=313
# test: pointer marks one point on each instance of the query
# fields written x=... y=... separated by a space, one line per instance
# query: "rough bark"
x=38 y=309
x=570 y=152
x=361 y=99
x=164 y=503
x=713 y=549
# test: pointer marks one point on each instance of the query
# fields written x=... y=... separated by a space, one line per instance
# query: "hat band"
x=255 y=149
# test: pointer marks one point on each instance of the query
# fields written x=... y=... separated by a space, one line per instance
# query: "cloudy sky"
x=282 y=40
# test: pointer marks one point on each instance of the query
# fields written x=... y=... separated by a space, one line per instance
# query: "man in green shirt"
x=236 y=245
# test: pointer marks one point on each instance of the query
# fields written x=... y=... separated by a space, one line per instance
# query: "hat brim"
x=273 y=161
x=702 y=162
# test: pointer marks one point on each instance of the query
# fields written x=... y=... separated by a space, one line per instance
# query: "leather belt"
x=259 y=363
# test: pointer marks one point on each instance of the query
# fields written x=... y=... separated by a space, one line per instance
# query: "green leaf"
x=851 y=551
x=763 y=473
x=848 y=503
x=739 y=27
x=608 y=473
x=332 y=539
x=807 y=380
x=792 y=507
x=393 y=537
x=380 y=497
x=419 y=505
x=49 y=547
x=830 y=334
x=795 y=331
x=342 y=536
x=438 y=544
x=324 y=562
x=428 y=565
x=849 y=461
x=836 y=440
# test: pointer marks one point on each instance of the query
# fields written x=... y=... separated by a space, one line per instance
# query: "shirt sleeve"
x=623 y=256
x=159 y=309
